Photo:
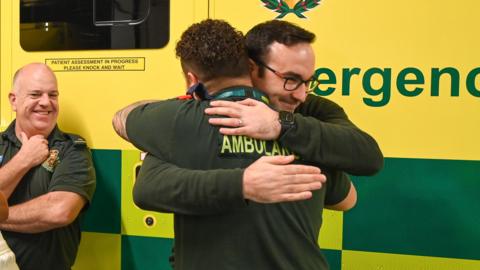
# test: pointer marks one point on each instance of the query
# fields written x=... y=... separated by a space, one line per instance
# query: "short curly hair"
x=213 y=49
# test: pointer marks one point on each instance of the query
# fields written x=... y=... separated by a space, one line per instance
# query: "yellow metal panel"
x=99 y=251
x=331 y=235
x=5 y=62
x=88 y=100
x=136 y=221
x=395 y=35
x=356 y=260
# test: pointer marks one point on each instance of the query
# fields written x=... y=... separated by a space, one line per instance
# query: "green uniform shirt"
x=214 y=227
x=68 y=168
x=324 y=135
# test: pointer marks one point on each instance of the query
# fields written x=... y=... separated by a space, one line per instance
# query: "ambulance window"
x=55 y=25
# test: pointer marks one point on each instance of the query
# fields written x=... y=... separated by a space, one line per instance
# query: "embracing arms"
x=162 y=186
x=323 y=134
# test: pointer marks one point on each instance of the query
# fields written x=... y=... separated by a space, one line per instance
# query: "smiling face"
x=296 y=61
x=35 y=100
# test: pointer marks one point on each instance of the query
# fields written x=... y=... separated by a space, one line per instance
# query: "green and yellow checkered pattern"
x=412 y=215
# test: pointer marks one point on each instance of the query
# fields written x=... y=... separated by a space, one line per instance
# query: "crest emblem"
x=51 y=162
x=285 y=7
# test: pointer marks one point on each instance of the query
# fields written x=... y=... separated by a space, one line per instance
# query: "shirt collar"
x=54 y=136
x=241 y=92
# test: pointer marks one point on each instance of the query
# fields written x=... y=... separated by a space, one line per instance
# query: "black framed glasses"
x=292 y=83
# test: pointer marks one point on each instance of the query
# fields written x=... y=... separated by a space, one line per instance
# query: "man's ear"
x=254 y=70
x=196 y=97
x=252 y=65
x=192 y=79
x=13 y=101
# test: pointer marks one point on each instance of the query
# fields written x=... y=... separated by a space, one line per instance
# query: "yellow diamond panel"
x=136 y=221
x=331 y=231
x=98 y=251
x=394 y=38
x=356 y=260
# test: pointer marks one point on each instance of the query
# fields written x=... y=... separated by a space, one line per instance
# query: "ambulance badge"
x=51 y=162
x=285 y=7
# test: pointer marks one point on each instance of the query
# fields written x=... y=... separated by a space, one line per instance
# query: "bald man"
x=47 y=175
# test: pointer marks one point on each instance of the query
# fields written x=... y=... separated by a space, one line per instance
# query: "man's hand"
x=248 y=117
x=273 y=179
x=34 y=150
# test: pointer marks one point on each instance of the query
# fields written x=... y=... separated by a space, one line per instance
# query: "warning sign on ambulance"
x=97 y=64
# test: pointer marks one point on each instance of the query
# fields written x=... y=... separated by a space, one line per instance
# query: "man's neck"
x=30 y=133
x=216 y=85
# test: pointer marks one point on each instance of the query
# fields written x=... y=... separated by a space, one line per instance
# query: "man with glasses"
x=242 y=219
x=282 y=65
x=292 y=82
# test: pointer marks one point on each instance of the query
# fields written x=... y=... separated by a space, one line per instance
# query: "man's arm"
x=184 y=192
x=347 y=203
x=323 y=134
x=49 y=211
x=120 y=118
x=329 y=138
x=71 y=186
x=3 y=207
x=258 y=120
x=340 y=194
x=164 y=187
x=34 y=151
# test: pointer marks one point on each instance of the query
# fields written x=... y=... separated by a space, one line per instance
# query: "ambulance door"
x=106 y=54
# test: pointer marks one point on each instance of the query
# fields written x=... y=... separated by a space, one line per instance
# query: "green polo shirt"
x=68 y=168
x=214 y=227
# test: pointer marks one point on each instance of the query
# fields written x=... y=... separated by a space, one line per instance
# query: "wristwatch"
x=287 y=121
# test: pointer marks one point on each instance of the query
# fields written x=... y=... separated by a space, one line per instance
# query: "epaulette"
x=77 y=140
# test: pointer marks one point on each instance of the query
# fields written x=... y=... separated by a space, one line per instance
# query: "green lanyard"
x=243 y=93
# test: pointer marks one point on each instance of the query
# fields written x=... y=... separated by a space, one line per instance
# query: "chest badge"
x=51 y=162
